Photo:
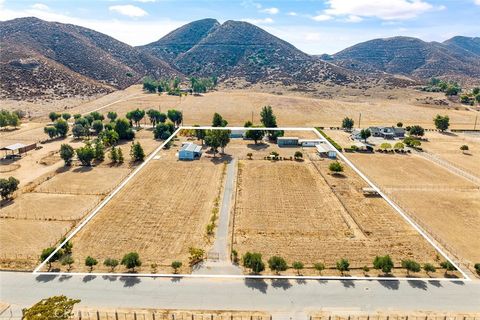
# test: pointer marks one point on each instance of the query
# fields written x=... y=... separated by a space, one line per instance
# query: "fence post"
x=116 y=315
x=134 y=315
x=98 y=315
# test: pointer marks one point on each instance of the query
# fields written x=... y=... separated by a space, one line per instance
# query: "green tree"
x=175 y=116
x=77 y=116
x=79 y=131
x=428 y=267
x=297 y=265
x=411 y=266
x=255 y=135
x=217 y=139
x=66 y=116
x=163 y=130
x=109 y=137
x=97 y=115
x=477 y=267
x=464 y=148
x=54 y=116
x=399 y=124
x=452 y=89
x=200 y=134
x=131 y=261
x=386 y=146
x=277 y=264
x=67 y=260
x=253 y=261
x=399 y=146
x=335 y=167
x=250 y=155
x=66 y=153
x=176 y=265
x=267 y=117
x=441 y=123
x=46 y=253
x=196 y=255
x=298 y=155
x=113 y=155
x=365 y=134
x=97 y=125
x=120 y=156
x=136 y=116
x=50 y=131
x=448 y=266
x=417 y=131
x=124 y=129
x=112 y=116
x=99 y=151
x=62 y=127
x=90 y=262
x=136 y=152
x=319 y=266
x=57 y=307
x=111 y=263
x=412 y=142
x=343 y=266
x=156 y=117
x=8 y=187
x=218 y=121
x=347 y=123
x=383 y=263
x=85 y=154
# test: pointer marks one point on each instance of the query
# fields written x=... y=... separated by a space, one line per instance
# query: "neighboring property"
x=17 y=149
x=325 y=150
x=190 y=151
x=237 y=134
x=287 y=141
x=309 y=142
x=382 y=132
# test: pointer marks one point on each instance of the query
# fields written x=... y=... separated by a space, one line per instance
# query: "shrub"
x=343 y=266
x=411 y=266
x=319 y=266
x=477 y=267
x=67 y=260
x=196 y=255
x=428 y=267
x=85 y=154
x=8 y=187
x=47 y=252
x=253 y=261
x=298 y=155
x=136 y=152
x=249 y=155
x=90 y=262
x=176 y=265
x=277 y=264
x=131 y=260
x=336 y=145
x=111 y=263
x=448 y=266
x=384 y=263
x=335 y=167
x=66 y=153
x=297 y=265
x=49 y=309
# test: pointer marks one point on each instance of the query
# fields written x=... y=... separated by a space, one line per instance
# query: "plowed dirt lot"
x=302 y=213
x=162 y=212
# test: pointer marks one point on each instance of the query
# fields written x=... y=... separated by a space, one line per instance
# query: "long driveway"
x=23 y=289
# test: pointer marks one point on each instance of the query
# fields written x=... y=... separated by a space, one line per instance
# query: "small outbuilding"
x=237 y=134
x=287 y=141
x=309 y=142
x=190 y=151
x=17 y=149
x=326 y=151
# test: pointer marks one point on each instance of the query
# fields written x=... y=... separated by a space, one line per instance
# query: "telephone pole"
x=359 y=119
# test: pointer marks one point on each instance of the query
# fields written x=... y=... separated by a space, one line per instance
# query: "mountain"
x=456 y=58
x=181 y=40
x=40 y=58
x=240 y=50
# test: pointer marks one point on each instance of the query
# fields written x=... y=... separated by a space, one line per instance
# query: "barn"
x=287 y=141
x=190 y=151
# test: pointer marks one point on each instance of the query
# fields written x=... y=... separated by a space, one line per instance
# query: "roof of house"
x=191 y=147
x=287 y=138
x=14 y=147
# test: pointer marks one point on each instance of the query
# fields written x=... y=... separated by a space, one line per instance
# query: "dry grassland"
x=237 y=107
x=84 y=180
x=45 y=206
x=162 y=212
x=446 y=204
x=299 y=211
x=23 y=240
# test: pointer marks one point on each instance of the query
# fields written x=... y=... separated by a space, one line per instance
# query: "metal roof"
x=191 y=147
x=323 y=147
x=14 y=147
x=287 y=138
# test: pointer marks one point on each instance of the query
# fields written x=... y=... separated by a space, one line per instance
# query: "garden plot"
x=299 y=211
x=161 y=213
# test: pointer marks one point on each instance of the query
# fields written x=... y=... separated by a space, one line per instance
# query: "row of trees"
x=172 y=85
x=8 y=118
x=254 y=262
x=96 y=151
x=450 y=88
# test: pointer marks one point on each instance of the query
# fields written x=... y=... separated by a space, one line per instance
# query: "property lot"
x=443 y=203
x=160 y=214
x=301 y=212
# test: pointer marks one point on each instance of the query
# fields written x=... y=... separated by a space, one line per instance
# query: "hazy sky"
x=314 y=26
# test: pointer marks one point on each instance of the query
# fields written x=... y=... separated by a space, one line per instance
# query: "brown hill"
x=411 y=57
x=65 y=60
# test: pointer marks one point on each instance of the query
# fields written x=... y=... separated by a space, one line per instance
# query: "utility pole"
x=252 y=117
x=359 y=119
x=475 y=125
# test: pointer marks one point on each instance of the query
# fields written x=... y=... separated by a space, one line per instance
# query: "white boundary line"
x=394 y=206
x=106 y=200
x=314 y=130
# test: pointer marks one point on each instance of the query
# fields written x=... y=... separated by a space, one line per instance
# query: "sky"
x=313 y=26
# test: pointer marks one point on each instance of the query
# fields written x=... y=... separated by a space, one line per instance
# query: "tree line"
x=10 y=119
x=172 y=85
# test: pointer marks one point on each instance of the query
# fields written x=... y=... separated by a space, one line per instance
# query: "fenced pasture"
x=160 y=214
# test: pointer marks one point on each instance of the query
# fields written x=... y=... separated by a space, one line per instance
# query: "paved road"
x=221 y=237
x=23 y=289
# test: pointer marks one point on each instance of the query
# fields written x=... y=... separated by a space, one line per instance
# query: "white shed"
x=324 y=150
x=190 y=151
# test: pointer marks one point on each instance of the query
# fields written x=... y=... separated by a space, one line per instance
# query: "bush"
x=111 y=263
x=277 y=264
x=336 y=145
x=8 y=187
x=477 y=267
x=176 y=265
x=386 y=146
x=384 y=263
x=131 y=260
x=86 y=154
x=90 y=262
x=298 y=155
x=253 y=261
x=136 y=152
x=196 y=255
x=319 y=266
x=297 y=265
x=428 y=267
x=66 y=153
x=335 y=167
x=411 y=266
x=448 y=266
x=49 y=309
x=343 y=266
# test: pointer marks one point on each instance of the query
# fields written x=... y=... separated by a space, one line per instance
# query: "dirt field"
x=83 y=180
x=162 y=212
x=23 y=240
x=289 y=209
x=446 y=204
x=447 y=147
